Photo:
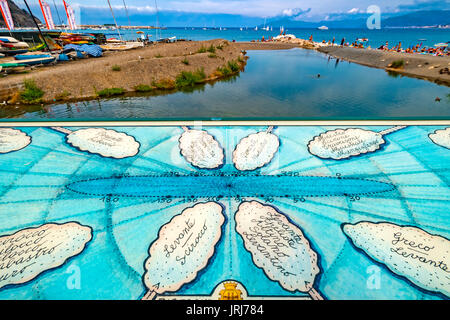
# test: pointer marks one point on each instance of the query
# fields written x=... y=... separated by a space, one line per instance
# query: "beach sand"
x=415 y=65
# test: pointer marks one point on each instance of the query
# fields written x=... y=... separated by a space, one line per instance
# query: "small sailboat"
x=323 y=28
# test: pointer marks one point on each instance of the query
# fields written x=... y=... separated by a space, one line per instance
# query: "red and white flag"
x=47 y=15
x=70 y=16
x=6 y=13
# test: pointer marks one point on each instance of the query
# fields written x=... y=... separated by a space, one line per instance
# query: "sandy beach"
x=425 y=67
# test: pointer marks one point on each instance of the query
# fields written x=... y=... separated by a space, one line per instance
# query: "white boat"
x=323 y=28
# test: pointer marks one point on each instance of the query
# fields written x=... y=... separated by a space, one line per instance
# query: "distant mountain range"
x=21 y=17
x=100 y=15
x=418 y=18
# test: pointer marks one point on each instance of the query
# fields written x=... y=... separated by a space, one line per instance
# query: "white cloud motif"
x=255 y=151
x=441 y=138
x=183 y=248
x=201 y=149
x=29 y=252
x=407 y=251
x=107 y=143
x=342 y=144
x=13 y=140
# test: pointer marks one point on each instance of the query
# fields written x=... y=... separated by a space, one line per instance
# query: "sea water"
x=276 y=85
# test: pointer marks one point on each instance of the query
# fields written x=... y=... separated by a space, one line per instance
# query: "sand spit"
x=83 y=79
x=425 y=67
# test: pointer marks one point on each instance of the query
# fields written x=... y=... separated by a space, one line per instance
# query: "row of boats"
x=17 y=56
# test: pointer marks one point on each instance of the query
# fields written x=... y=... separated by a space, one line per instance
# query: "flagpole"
x=112 y=12
x=37 y=25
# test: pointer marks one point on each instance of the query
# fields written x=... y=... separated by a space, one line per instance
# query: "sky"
x=306 y=10
x=270 y=8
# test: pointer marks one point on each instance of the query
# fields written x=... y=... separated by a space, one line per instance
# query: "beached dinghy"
x=38 y=61
x=32 y=56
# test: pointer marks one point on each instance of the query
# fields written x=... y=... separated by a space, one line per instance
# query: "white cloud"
x=354 y=10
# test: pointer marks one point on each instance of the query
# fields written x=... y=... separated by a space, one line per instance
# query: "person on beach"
x=311 y=38
x=333 y=40
x=342 y=42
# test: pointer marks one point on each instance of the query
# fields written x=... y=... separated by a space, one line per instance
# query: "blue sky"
x=263 y=8
x=248 y=10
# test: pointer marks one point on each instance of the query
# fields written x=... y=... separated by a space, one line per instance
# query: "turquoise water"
x=276 y=85
x=34 y=190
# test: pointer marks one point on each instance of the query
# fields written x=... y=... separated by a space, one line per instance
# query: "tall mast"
x=57 y=12
x=157 y=21
x=112 y=12
x=37 y=25
x=126 y=10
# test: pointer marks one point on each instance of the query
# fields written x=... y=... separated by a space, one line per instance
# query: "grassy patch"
x=202 y=50
x=158 y=56
x=185 y=61
x=164 y=84
x=397 y=64
x=32 y=93
x=212 y=55
x=116 y=68
x=223 y=72
x=111 y=92
x=211 y=49
x=190 y=79
x=220 y=47
x=143 y=88
x=234 y=66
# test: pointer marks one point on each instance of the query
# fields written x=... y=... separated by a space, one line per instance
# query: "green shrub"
x=164 y=84
x=212 y=55
x=32 y=93
x=143 y=88
x=211 y=49
x=158 y=56
x=220 y=47
x=397 y=64
x=223 y=71
x=116 y=68
x=190 y=79
x=234 y=66
x=106 y=93
x=185 y=61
